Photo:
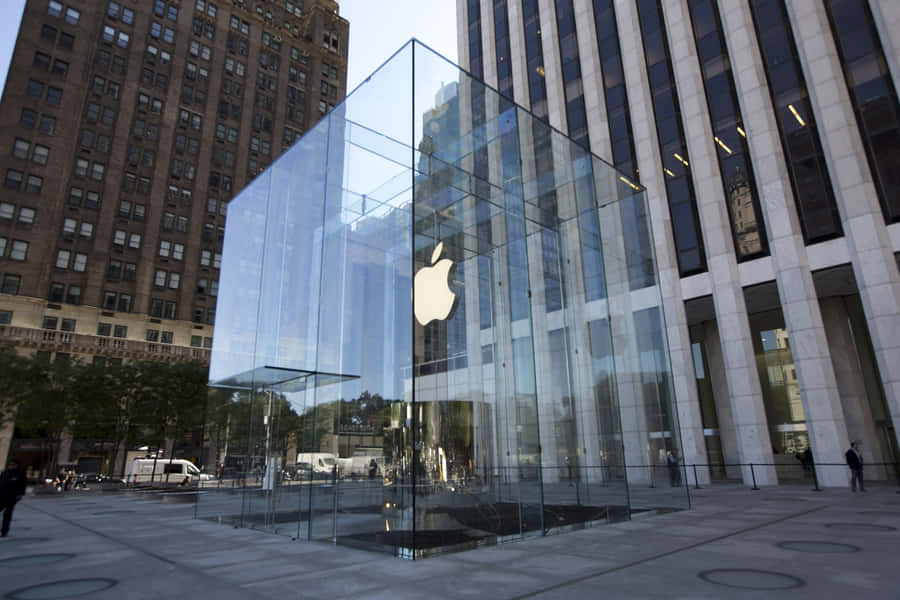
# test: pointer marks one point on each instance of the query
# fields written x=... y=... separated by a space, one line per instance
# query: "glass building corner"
x=429 y=337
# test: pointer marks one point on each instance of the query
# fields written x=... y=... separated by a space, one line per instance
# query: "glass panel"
x=419 y=348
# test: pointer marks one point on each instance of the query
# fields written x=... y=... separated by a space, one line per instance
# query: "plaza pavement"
x=144 y=548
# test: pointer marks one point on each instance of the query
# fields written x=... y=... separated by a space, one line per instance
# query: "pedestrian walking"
x=674 y=471
x=12 y=488
x=855 y=462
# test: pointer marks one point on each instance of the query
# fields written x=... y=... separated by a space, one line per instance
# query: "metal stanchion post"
x=753 y=476
x=696 y=481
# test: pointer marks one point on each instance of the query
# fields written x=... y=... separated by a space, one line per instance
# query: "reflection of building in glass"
x=743 y=215
x=513 y=411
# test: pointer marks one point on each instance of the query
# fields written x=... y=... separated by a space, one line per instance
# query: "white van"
x=320 y=463
x=143 y=470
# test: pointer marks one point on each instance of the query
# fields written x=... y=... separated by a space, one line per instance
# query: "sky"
x=377 y=29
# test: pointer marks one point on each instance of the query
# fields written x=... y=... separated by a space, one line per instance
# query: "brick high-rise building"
x=125 y=127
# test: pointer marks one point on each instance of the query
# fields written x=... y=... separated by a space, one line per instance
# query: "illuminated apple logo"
x=434 y=300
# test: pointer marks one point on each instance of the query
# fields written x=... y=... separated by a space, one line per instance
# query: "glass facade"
x=747 y=228
x=803 y=154
x=385 y=373
x=873 y=95
x=576 y=115
x=672 y=146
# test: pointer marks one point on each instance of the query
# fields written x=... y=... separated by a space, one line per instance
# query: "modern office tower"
x=767 y=135
x=126 y=128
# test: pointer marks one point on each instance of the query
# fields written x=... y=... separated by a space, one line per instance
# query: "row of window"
x=39 y=153
x=87 y=198
x=44 y=62
x=67 y=13
x=36 y=88
x=111 y=35
x=84 y=229
x=59 y=292
x=208 y=7
x=13 y=249
x=46 y=123
x=106 y=61
x=77 y=260
x=100 y=86
x=84 y=168
x=117 y=301
x=107 y=329
x=8 y=213
x=90 y=140
x=52 y=323
x=14 y=180
x=117 y=12
x=192 y=71
x=62 y=39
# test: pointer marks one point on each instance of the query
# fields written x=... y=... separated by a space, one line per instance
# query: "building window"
x=54 y=95
x=672 y=145
x=80 y=262
x=735 y=166
x=11 y=284
x=21 y=148
x=56 y=293
x=35 y=89
x=13 y=179
x=26 y=216
x=34 y=184
x=800 y=142
x=47 y=124
x=62 y=259
x=40 y=154
x=873 y=94
x=18 y=250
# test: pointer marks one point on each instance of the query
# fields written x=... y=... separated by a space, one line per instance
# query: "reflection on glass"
x=781 y=390
x=673 y=149
x=732 y=152
x=805 y=160
x=874 y=96
x=340 y=411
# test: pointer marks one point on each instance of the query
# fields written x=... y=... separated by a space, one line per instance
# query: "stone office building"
x=126 y=128
x=767 y=135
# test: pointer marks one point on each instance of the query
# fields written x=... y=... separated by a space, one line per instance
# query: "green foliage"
x=137 y=402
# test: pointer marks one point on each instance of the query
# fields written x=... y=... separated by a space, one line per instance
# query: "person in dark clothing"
x=855 y=462
x=674 y=471
x=12 y=488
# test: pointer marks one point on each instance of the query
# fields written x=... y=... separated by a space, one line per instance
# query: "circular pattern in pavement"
x=858 y=527
x=32 y=560
x=67 y=588
x=817 y=547
x=751 y=579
